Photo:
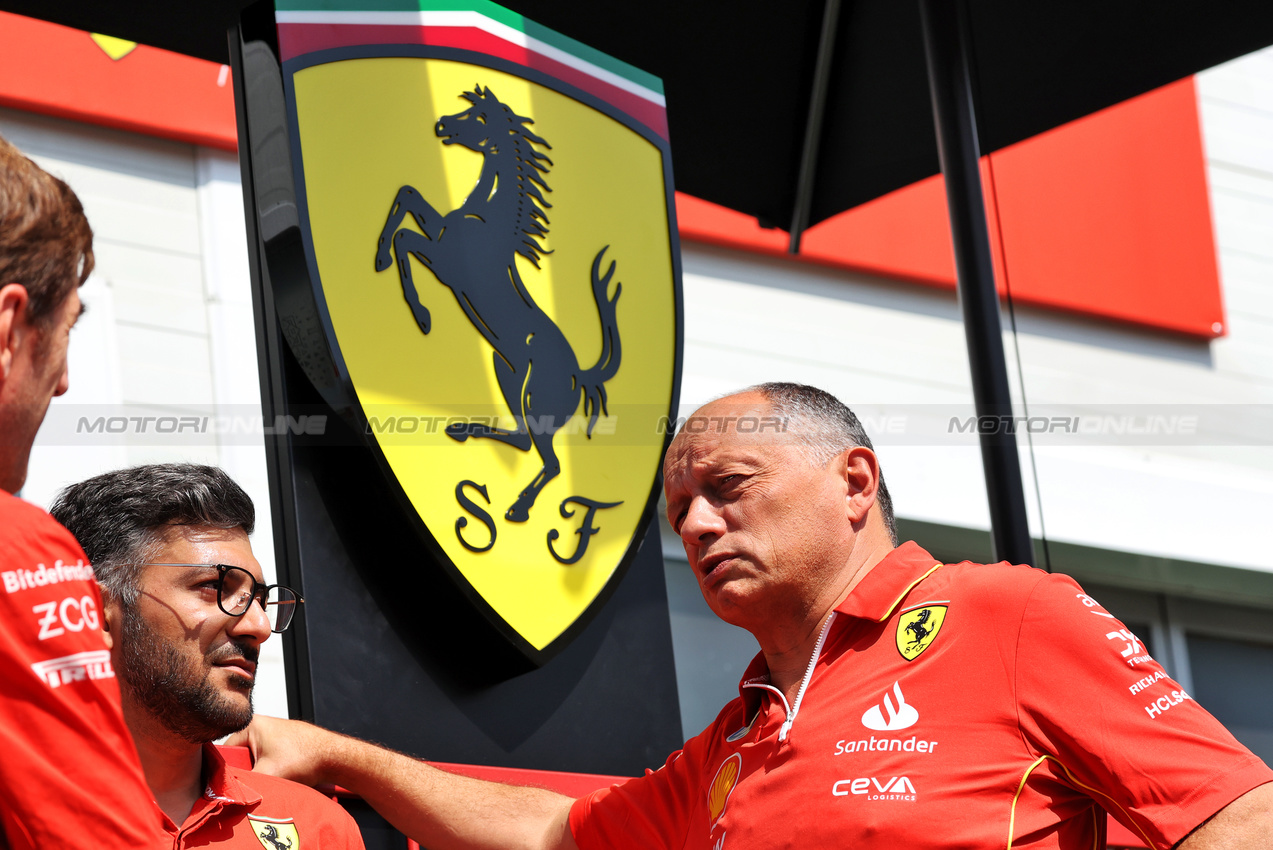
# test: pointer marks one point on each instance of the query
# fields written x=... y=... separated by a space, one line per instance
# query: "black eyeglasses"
x=236 y=588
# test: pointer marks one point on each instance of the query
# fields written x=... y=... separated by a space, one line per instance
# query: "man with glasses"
x=185 y=613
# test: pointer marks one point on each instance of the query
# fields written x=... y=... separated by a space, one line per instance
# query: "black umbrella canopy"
x=738 y=75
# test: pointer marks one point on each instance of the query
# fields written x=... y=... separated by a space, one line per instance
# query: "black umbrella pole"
x=946 y=48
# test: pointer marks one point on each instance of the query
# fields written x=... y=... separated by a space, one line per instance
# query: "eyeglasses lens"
x=239 y=588
x=280 y=605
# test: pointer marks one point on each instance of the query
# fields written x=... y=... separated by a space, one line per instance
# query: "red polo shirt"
x=69 y=774
x=246 y=810
x=957 y=706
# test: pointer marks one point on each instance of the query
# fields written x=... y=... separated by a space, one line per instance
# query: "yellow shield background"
x=366 y=128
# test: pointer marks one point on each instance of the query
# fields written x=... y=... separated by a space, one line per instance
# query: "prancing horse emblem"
x=472 y=251
x=275 y=835
x=270 y=834
x=918 y=627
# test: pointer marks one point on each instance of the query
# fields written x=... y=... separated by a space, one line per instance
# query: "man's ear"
x=13 y=311
x=862 y=473
x=112 y=620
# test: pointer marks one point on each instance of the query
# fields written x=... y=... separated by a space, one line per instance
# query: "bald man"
x=896 y=701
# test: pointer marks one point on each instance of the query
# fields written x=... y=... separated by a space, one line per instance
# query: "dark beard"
x=165 y=685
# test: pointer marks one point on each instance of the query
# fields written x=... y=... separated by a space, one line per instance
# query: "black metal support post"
x=946 y=47
x=813 y=125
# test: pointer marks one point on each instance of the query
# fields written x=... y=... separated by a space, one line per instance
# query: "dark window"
x=1234 y=681
x=1145 y=633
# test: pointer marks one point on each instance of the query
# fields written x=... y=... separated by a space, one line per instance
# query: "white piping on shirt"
x=763 y=685
x=792 y=711
x=804 y=683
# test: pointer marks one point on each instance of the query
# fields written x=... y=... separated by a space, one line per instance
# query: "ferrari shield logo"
x=275 y=834
x=918 y=628
x=495 y=257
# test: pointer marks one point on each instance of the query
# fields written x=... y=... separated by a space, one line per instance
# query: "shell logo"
x=723 y=785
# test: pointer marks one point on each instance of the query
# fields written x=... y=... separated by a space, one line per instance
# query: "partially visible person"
x=186 y=613
x=69 y=776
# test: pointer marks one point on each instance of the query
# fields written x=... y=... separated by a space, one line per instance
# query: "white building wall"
x=891 y=349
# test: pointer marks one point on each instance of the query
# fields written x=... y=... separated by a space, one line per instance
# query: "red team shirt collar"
x=221 y=785
x=878 y=594
x=875 y=598
x=221 y=789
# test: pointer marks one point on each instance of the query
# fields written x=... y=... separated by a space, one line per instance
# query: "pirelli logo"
x=75 y=668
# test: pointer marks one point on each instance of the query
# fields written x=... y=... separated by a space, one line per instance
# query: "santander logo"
x=889 y=717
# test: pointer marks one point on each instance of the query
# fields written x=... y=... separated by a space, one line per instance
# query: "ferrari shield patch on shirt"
x=275 y=834
x=918 y=628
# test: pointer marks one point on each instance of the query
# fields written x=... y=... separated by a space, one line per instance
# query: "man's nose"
x=702 y=518
x=254 y=623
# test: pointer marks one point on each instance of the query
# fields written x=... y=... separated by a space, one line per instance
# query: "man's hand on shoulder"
x=439 y=810
x=291 y=749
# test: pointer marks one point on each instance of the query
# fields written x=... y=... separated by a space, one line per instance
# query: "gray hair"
x=120 y=517
x=824 y=427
